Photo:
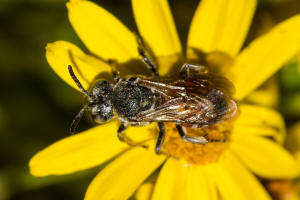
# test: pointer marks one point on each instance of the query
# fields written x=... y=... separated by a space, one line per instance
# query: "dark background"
x=36 y=106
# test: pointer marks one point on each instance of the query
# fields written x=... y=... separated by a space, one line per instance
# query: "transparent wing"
x=190 y=101
x=200 y=72
x=179 y=110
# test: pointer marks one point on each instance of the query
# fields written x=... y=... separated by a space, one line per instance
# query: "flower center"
x=218 y=137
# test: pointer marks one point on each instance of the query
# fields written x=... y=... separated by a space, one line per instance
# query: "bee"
x=197 y=99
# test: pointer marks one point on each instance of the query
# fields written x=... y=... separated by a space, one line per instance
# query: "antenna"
x=73 y=76
x=77 y=119
x=81 y=112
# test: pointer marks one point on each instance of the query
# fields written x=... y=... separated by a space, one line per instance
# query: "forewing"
x=214 y=81
x=178 y=110
x=219 y=105
x=195 y=100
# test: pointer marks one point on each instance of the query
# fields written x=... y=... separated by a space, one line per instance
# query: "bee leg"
x=160 y=138
x=194 y=140
x=184 y=71
x=124 y=138
x=121 y=134
x=115 y=73
x=145 y=58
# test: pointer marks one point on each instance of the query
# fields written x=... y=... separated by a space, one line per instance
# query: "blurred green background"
x=37 y=107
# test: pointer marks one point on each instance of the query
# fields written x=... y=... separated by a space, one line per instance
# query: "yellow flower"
x=266 y=95
x=189 y=171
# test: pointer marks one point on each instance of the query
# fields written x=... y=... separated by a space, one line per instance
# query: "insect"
x=196 y=99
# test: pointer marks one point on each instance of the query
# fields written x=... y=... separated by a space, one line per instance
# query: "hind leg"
x=194 y=140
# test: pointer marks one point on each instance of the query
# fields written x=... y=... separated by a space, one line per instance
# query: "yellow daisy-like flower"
x=189 y=171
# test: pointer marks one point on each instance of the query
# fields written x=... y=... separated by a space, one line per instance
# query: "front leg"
x=121 y=135
x=124 y=138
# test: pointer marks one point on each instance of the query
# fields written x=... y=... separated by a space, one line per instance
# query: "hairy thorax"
x=130 y=98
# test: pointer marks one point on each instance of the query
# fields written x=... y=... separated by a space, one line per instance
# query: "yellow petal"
x=87 y=149
x=60 y=54
x=78 y=152
x=121 y=178
x=200 y=185
x=142 y=133
x=235 y=182
x=156 y=26
x=225 y=183
x=259 y=121
x=266 y=95
x=102 y=33
x=171 y=181
x=221 y=25
x=144 y=192
x=264 y=157
x=264 y=56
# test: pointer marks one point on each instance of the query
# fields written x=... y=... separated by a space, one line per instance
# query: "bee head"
x=100 y=104
x=98 y=101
